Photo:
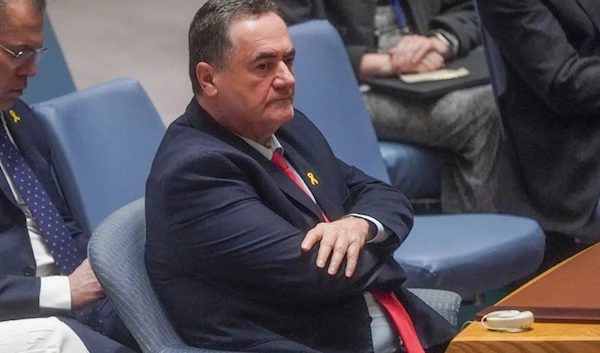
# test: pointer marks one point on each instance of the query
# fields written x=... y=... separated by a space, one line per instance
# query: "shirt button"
x=29 y=271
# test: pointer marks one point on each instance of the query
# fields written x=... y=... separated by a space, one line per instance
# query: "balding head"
x=38 y=5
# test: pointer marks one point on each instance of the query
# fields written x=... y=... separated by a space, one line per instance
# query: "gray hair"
x=209 y=39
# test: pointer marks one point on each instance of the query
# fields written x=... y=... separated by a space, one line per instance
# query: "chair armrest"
x=445 y=303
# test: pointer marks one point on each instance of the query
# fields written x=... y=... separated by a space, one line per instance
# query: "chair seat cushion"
x=470 y=254
x=415 y=170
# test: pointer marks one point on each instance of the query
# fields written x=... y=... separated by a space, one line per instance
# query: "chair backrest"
x=116 y=253
x=328 y=93
x=53 y=77
x=103 y=140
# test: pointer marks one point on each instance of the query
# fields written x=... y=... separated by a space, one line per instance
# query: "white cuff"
x=382 y=233
x=55 y=293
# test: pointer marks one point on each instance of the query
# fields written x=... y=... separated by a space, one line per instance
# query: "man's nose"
x=29 y=68
x=285 y=77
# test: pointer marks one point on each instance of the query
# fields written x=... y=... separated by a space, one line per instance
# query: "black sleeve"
x=533 y=41
x=459 y=17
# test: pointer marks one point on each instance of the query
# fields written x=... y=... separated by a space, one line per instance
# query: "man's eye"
x=262 y=66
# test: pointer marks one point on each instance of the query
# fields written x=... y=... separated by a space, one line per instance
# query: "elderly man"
x=43 y=267
x=259 y=239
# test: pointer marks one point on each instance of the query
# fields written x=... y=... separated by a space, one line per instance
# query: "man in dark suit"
x=550 y=168
x=385 y=38
x=258 y=238
x=43 y=267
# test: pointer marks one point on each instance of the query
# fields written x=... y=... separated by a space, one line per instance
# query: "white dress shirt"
x=383 y=335
x=55 y=291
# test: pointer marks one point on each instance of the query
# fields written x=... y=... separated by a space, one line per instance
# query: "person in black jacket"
x=422 y=36
x=549 y=167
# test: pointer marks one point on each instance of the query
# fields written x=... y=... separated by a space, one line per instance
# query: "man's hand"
x=85 y=288
x=431 y=62
x=412 y=49
x=342 y=238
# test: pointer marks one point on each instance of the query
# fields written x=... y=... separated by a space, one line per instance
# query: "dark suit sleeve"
x=459 y=17
x=19 y=297
x=376 y=199
x=233 y=241
x=532 y=40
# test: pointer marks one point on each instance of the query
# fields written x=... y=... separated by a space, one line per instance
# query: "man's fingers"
x=312 y=237
x=339 y=253
x=327 y=244
x=352 y=258
x=338 y=241
x=420 y=52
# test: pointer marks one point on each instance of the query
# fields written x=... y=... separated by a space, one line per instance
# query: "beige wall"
x=144 y=39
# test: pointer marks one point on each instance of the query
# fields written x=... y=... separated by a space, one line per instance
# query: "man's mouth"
x=16 y=92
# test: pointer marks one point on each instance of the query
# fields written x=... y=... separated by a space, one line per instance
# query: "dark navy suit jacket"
x=224 y=228
x=19 y=286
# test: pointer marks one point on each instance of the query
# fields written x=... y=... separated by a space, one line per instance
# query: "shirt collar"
x=267 y=151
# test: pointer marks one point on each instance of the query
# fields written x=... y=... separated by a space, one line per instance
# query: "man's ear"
x=205 y=74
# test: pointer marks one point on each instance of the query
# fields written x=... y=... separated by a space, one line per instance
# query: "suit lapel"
x=311 y=178
x=290 y=188
x=6 y=190
x=4 y=186
x=202 y=121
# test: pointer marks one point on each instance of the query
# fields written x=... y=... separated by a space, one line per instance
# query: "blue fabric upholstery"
x=86 y=130
x=470 y=253
x=322 y=83
x=116 y=253
x=53 y=78
x=444 y=252
x=316 y=96
x=415 y=170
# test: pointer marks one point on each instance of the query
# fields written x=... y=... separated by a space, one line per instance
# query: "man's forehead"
x=20 y=15
x=262 y=35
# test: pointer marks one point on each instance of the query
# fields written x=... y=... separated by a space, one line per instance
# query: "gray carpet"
x=144 y=39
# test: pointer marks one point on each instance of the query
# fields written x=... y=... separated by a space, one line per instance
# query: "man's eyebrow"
x=272 y=55
x=264 y=55
x=290 y=54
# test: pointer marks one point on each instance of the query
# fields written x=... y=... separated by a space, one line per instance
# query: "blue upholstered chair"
x=103 y=140
x=467 y=254
x=53 y=77
x=415 y=169
x=116 y=253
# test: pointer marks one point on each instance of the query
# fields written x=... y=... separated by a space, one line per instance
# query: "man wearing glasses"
x=50 y=300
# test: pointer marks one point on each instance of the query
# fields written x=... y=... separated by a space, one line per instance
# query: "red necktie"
x=388 y=300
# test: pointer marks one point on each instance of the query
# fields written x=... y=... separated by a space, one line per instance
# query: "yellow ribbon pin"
x=14 y=115
x=312 y=178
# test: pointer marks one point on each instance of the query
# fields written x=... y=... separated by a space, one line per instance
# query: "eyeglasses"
x=21 y=57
